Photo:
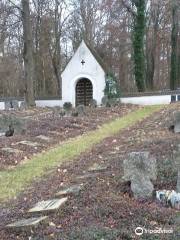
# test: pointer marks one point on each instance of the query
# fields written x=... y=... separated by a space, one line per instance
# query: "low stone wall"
x=142 y=100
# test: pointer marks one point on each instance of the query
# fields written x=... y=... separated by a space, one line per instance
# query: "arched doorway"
x=84 y=92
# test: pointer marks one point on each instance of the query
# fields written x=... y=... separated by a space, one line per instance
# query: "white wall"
x=75 y=71
x=148 y=100
x=2 y=106
x=49 y=103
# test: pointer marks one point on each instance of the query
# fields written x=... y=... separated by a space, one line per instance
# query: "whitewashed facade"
x=82 y=66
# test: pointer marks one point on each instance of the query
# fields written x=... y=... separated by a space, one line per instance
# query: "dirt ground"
x=105 y=209
x=46 y=122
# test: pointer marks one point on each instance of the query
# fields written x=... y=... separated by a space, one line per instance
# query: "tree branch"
x=129 y=8
x=16 y=6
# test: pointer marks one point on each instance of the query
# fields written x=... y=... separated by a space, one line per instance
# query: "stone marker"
x=104 y=101
x=75 y=189
x=141 y=186
x=15 y=104
x=18 y=123
x=139 y=162
x=93 y=103
x=27 y=223
x=44 y=138
x=140 y=169
x=173 y=98
x=96 y=167
x=177 y=166
x=23 y=106
x=11 y=150
x=8 y=105
x=177 y=122
x=81 y=110
x=49 y=205
x=11 y=105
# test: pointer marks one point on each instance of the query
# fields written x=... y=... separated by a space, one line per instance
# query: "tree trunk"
x=28 y=54
x=138 y=45
x=151 y=45
x=174 y=46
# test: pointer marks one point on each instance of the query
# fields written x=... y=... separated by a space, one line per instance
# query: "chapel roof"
x=94 y=53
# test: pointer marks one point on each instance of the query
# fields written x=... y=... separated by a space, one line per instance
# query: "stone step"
x=27 y=223
x=47 y=206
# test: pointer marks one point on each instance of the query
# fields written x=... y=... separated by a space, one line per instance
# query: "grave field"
x=45 y=129
x=104 y=207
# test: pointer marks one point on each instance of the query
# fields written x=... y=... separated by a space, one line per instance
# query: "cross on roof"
x=82 y=62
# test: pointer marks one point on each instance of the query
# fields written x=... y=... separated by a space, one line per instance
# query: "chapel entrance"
x=84 y=92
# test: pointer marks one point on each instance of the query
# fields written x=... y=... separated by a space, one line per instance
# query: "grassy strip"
x=12 y=182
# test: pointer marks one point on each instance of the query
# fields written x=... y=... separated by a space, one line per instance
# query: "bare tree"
x=28 y=54
x=174 y=43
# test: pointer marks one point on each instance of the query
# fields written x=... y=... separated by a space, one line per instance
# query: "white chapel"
x=83 y=78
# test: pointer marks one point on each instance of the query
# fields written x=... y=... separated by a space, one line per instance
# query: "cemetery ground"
x=104 y=208
x=45 y=128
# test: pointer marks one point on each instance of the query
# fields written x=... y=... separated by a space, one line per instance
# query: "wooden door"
x=84 y=92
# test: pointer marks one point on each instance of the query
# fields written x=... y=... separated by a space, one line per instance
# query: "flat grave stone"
x=28 y=143
x=75 y=189
x=54 y=133
x=87 y=175
x=44 y=138
x=27 y=223
x=96 y=167
x=11 y=150
x=49 y=205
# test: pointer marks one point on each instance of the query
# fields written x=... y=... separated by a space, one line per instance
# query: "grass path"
x=13 y=181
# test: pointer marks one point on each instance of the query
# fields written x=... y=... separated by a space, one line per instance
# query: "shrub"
x=67 y=106
x=112 y=89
